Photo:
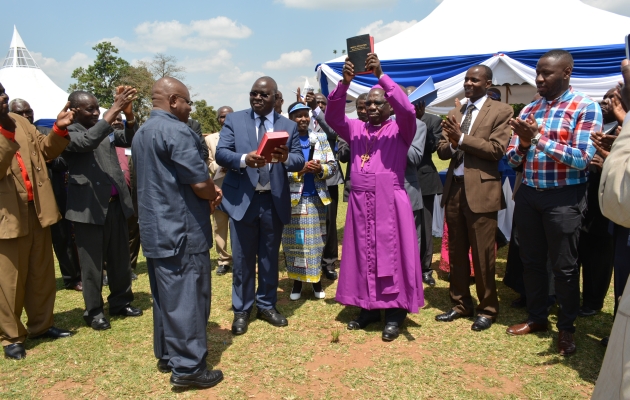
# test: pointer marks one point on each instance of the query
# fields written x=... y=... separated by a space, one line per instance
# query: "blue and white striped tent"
x=454 y=37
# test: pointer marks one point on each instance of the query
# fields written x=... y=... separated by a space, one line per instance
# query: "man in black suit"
x=430 y=185
x=317 y=102
x=99 y=203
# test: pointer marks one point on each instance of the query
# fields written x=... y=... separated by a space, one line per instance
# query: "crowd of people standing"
x=76 y=189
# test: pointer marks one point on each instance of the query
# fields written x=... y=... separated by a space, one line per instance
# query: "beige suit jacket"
x=484 y=146
x=212 y=140
x=35 y=149
x=614 y=187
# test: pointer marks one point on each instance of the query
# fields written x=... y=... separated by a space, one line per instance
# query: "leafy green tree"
x=102 y=77
x=207 y=117
x=141 y=79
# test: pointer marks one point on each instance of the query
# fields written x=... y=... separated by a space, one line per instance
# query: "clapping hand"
x=598 y=161
x=603 y=143
x=452 y=130
x=65 y=117
x=525 y=129
x=123 y=101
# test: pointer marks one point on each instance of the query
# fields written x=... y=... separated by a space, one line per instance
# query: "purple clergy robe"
x=380 y=264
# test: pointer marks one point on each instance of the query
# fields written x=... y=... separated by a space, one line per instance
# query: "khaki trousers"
x=476 y=231
x=220 y=224
x=27 y=280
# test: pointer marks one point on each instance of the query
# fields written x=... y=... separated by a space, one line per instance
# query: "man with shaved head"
x=474 y=140
x=380 y=267
x=221 y=220
x=258 y=201
x=99 y=203
x=175 y=199
x=552 y=142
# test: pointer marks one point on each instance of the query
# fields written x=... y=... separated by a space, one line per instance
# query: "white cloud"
x=202 y=35
x=60 y=71
x=212 y=63
x=617 y=6
x=337 y=4
x=382 y=32
x=235 y=77
x=293 y=59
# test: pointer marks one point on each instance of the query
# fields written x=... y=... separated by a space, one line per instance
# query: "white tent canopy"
x=22 y=78
x=511 y=26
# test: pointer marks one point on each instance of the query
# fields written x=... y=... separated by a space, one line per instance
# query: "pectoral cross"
x=365 y=157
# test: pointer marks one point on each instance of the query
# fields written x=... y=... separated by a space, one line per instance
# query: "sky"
x=224 y=46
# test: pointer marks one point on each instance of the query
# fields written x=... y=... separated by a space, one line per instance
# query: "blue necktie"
x=263 y=173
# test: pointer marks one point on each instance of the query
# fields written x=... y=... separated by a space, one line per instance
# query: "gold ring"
x=129 y=97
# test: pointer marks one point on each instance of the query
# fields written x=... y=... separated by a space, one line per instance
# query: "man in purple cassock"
x=380 y=267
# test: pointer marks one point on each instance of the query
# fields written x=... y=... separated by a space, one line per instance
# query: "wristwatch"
x=535 y=139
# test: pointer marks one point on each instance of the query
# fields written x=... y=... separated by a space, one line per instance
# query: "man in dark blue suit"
x=256 y=197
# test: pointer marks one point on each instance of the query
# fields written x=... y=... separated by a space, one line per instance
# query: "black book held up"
x=358 y=48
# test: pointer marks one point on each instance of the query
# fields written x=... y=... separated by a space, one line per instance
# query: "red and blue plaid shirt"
x=565 y=149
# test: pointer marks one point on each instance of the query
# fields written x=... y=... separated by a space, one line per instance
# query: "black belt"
x=549 y=188
x=262 y=191
x=458 y=179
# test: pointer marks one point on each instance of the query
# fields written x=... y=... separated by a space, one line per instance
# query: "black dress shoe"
x=162 y=366
x=427 y=277
x=128 y=311
x=449 y=316
x=481 y=323
x=54 y=333
x=330 y=275
x=363 y=321
x=604 y=341
x=390 y=332
x=223 y=269
x=239 y=325
x=587 y=312
x=205 y=379
x=14 y=351
x=272 y=316
x=100 y=324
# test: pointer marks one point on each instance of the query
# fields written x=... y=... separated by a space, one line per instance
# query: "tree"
x=141 y=79
x=163 y=65
x=102 y=77
x=207 y=117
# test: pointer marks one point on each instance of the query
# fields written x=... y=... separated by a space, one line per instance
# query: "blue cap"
x=299 y=106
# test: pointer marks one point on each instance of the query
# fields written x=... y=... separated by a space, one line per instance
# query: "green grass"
x=430 y=360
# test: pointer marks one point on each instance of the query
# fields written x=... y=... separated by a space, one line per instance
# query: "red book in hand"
x=269 y=142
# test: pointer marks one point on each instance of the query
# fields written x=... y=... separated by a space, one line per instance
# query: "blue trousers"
x=180 y=286
x=257 y=234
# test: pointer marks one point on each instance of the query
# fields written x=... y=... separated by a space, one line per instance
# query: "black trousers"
x=331 y=248
x=392 y=315
x=426 y=238
x=134 y=240
x=549 y=225
x=621 y=240
x=99 y=243
x=65 y=250
x=596 y=254
x=514 y=267
x=180 y=287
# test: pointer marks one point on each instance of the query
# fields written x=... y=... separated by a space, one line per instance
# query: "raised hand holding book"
x=358 y=48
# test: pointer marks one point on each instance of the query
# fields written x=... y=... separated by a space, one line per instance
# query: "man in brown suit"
x=221 y=219
x=27 y=274
x=475 y=138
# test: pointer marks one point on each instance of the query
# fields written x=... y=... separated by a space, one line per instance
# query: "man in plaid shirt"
x=552 y=141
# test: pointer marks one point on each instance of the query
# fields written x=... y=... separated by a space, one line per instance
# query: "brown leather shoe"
x=526 y=327
x=566 y=343
x=78 y=287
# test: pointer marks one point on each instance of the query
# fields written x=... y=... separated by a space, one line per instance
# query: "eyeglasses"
x=378 y=104
x=262 y=95
x=190 y=103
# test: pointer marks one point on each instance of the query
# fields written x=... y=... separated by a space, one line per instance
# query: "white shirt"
x=459 y=171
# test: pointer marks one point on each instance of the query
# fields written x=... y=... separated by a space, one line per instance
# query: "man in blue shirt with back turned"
x=175 y=198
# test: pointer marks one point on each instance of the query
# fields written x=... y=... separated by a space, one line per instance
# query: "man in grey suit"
x=317 y=102
x=430 y=185
x=99 y=203
x=257 y=199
